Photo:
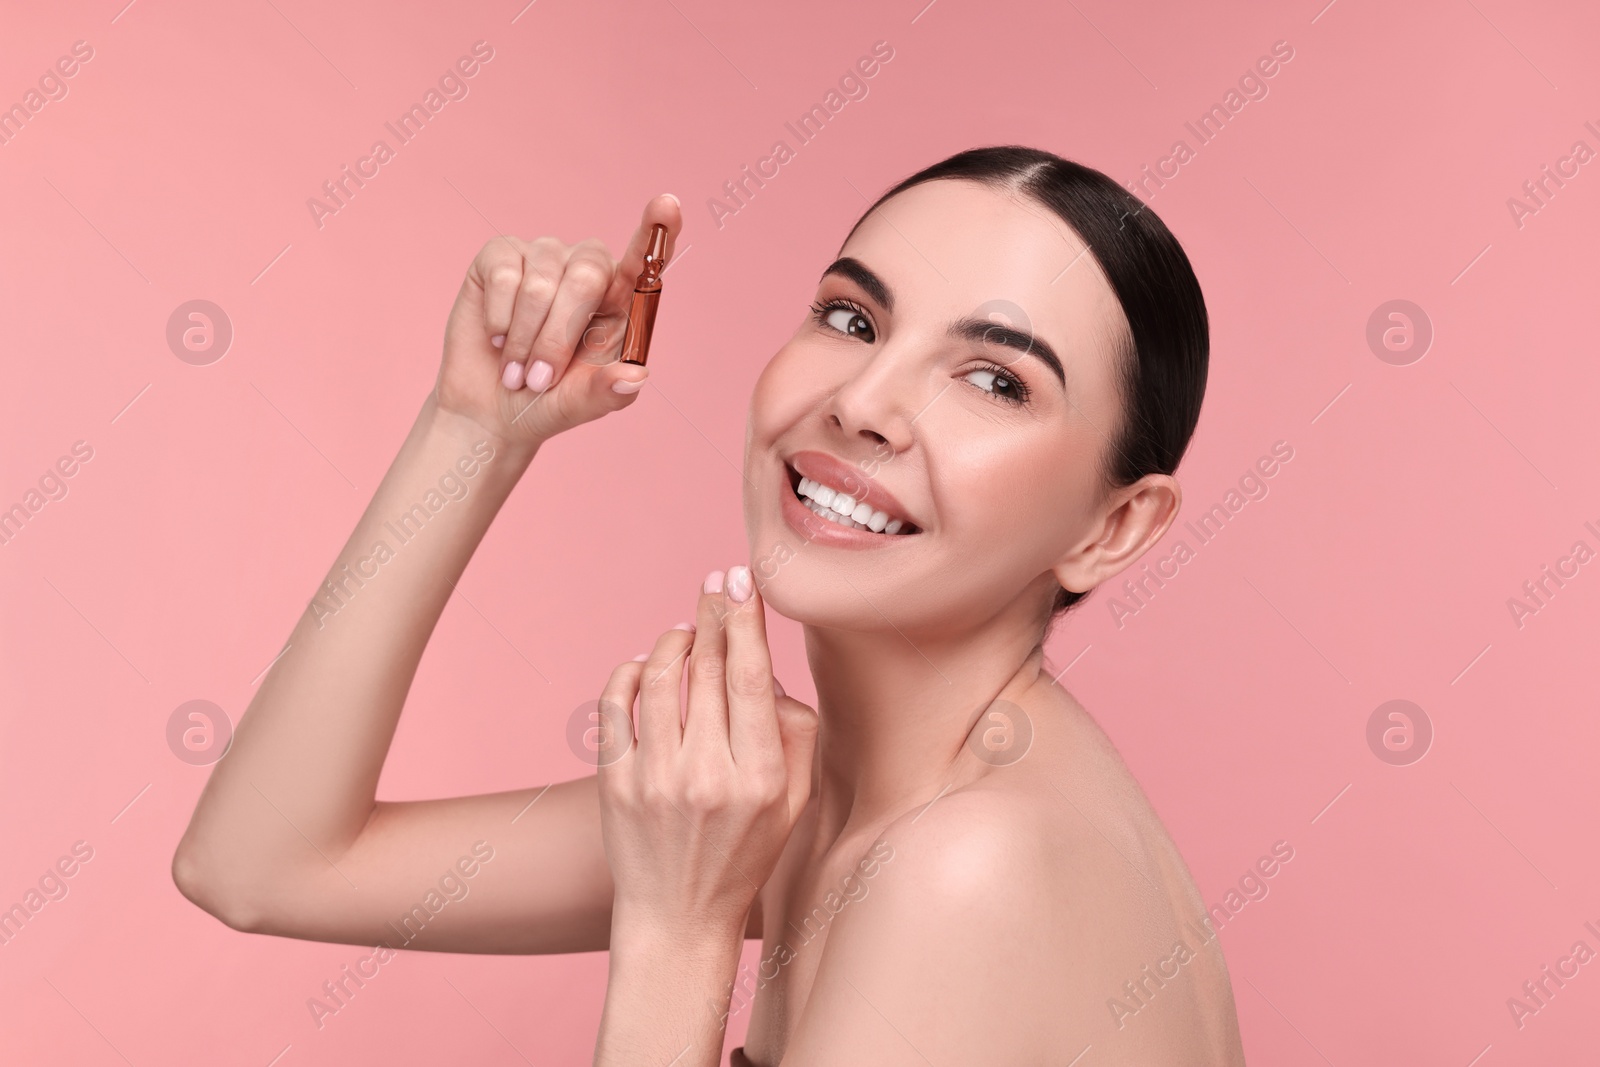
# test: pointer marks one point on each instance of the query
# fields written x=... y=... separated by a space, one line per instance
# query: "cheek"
x=778 y=401
x=788 y=387
x=1020 y=491
x=766 y=400
x=992 y=479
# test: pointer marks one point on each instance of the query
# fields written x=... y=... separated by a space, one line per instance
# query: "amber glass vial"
x=646 y=295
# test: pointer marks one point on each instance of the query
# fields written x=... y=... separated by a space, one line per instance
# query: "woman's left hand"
x=695 y=812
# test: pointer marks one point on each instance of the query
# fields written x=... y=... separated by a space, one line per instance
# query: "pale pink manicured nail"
x=498 y=340
x=674 y=199
x=627 y=387
x=641 y=657
x=539 y=375
x=739 y=587
x=686 y=626
x=713 y=583
x=777 y=687
x=511 y=378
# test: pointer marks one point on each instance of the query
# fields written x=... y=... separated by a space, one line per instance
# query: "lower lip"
x=821 y=531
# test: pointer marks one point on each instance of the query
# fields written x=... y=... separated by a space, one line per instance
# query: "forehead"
x=950 y=248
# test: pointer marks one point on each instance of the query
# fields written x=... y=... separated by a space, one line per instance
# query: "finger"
x=752 y=718
x=497 y=272
x=584 y=281
x=599 y=342
x=614 y=717
x=543 y=261
x=590 y=393
x=707 y=721
x=660 y=732
x=797 y=725
x=663 y=209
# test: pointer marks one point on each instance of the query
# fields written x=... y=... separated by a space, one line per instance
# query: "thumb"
x=617 y=384
x=797 y=728
x=586 y=393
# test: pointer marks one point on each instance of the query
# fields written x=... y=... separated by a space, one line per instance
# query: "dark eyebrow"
x=983 y=331
x=859 y=273
x=990 y=332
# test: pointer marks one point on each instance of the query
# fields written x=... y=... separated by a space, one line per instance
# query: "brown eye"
x=850 y=322
x=998 y=383
x=846 y=319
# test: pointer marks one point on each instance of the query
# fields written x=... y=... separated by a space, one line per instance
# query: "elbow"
x=197 y=877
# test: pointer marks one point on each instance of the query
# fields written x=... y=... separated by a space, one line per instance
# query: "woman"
x=947 y=861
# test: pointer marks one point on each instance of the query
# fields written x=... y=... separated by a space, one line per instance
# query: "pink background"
x=1418 y=501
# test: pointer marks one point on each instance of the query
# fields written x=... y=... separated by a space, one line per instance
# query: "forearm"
x=667 y=994
x=306 y=757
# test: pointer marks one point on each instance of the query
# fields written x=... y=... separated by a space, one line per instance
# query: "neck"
x=896 y=710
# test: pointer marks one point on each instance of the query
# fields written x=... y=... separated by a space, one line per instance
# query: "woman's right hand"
x=534 y=340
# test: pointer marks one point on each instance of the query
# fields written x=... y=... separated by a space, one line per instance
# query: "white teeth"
x=878 y=522
x=844 y=509
x=830 y=514
x=834 y=516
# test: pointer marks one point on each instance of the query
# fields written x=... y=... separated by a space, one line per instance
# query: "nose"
x=882 y=399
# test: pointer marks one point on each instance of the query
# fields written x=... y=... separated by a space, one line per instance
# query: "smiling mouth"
x=840 y=507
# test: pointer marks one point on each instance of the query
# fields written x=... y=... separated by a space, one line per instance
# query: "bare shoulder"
x=1033 y=912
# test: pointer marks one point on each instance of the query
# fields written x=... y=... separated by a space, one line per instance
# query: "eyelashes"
x=823 y=311
x=1013 y=390
x=1018 y=388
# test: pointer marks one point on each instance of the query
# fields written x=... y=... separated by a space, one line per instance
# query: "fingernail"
x=511 y=378
x=685 y=626
x=641 y=657
x=713 y=583
x=777 y=687
x=627 y=387
x=539 y=375
x=498 y=340
x=675 y=200
x=739 y=587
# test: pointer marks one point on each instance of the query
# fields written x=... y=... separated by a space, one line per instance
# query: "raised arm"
x=287 y=837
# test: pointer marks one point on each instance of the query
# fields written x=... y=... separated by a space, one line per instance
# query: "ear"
x=1137 y=516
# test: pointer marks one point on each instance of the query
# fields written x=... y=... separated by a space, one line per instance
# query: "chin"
x=845 y=589
x=814 y=593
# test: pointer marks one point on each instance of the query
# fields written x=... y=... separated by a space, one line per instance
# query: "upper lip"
x=836 y=473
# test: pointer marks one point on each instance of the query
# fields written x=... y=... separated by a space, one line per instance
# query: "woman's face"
x=908 y=393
